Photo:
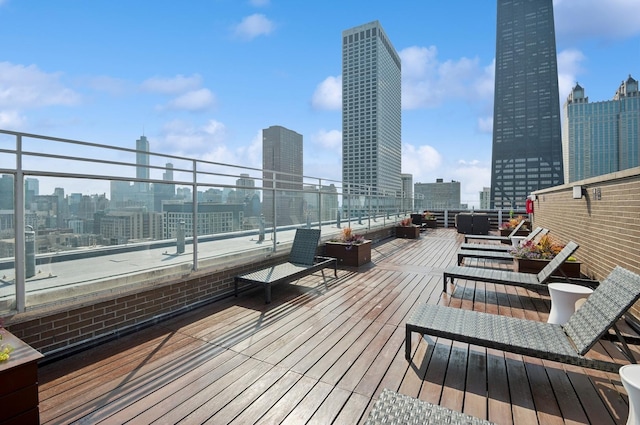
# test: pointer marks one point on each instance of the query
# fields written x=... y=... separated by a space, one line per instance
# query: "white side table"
x=517 y=240
x=563 y=300
x=630 y=376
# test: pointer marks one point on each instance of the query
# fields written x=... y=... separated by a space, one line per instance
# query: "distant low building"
x=440 y=195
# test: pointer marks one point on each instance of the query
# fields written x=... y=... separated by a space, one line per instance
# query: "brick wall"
x=605 y=222
x=62 y=329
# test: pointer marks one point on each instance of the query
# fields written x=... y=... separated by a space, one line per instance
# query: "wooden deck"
x=321 y=356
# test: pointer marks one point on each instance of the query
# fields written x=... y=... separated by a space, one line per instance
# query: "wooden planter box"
x=349 y=255
x=19 y=383
x=526 y=265
x=408 y=232
x=507 y=232
x=431 y=224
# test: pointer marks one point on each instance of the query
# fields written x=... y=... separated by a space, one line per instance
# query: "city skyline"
x=207 y=88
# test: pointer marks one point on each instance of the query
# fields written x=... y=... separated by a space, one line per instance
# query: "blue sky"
x=202 y=78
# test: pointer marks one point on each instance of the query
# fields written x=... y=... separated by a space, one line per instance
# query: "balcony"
x=319 y=355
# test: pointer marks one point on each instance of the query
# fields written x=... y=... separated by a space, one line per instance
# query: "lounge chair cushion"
x=566 y=344
x=393 y=408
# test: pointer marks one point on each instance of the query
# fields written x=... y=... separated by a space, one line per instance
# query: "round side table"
x=630 y=376
x=517 y=240
x=563 y=300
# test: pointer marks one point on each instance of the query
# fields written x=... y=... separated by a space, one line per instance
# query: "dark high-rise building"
x=371 y=113
x=527 y=145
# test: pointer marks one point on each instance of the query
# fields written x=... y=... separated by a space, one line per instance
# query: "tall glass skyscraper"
x=527 y=145
x=601 y=137
x=371 y=113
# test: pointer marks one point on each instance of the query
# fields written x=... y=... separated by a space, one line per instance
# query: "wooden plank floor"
x=319 y=355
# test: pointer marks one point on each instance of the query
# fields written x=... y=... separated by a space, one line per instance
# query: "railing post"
x=194 y=213
x=19 y=214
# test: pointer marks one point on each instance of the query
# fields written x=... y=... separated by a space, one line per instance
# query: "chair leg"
x=267 y=293
x=407 y=344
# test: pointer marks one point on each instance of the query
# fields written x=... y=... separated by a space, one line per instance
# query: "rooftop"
x=323 y=355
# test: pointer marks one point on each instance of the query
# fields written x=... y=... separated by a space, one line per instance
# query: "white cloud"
x=11 y=120
x=173 y=85
x=427 y=82
x=24 y=87
x=250 y=155
x=473 y=177
x=420 y=161
x=328 y=94
x=195 y=100
x=331 y=140
x=569 y=66
x=182 y=138
x=607 y=20
x=253 y=26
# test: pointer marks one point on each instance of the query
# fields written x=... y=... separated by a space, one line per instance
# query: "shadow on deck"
x=322 y=356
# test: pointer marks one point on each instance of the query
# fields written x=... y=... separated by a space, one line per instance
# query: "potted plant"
x=507 y=227
x=429 y=219
x=406 y=229
x=530 y=257
x=349 y=248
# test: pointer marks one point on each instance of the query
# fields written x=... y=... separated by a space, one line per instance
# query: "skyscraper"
x=282 y=165
x=142 y=161
x=371 y=113
x=602 y=137
x=527 y=146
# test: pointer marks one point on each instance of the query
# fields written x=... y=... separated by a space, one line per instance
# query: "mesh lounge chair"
x=394 y=408
x=535 y=235
x=302 y=262
x=563 y=343
x=502 y=254
x=495 y=237
x=506 y=277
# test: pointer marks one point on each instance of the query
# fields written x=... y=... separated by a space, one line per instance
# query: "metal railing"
x=156 y=202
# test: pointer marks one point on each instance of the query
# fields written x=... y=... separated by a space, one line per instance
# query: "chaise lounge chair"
x=506 y=277
x=495 y=237
x=302 y=262
x=502 y=254
x=394 y=408
x=563 y=343
x=535 y=235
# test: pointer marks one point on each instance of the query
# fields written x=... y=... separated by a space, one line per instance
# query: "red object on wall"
x=529 y=206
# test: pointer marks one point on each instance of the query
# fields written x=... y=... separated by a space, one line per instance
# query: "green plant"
x=428 y=215
x=5 y=349
x=545 y=249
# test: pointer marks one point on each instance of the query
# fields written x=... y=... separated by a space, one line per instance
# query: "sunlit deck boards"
x=318 y=356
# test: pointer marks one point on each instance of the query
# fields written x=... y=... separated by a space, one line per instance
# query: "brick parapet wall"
x=607 y=229
x=62 y=329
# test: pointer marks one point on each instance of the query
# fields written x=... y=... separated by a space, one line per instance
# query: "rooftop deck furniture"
x=495 y=237
x=505 y=277
x=302 y=262
x=535 y=235
x=394 y=408
x=489 y=255
x=563 y=343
